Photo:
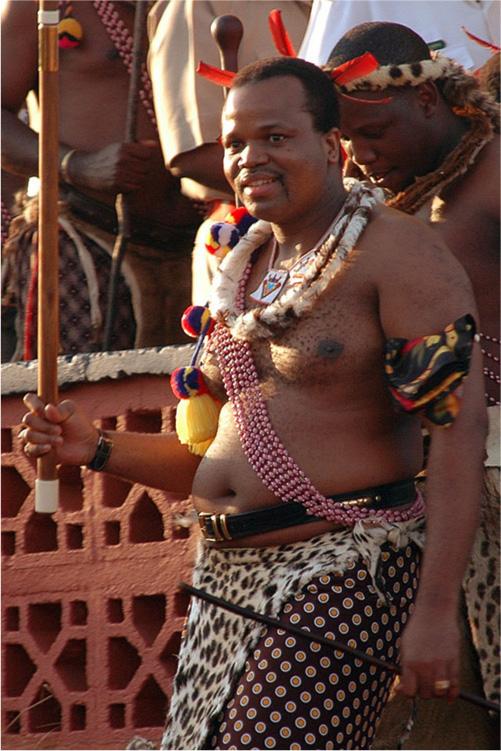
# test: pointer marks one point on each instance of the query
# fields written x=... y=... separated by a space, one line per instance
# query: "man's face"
x=275 y=160
x=389 y=142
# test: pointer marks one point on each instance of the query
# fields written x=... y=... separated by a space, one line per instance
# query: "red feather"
x=356 y=68
x=481 y=42
x=359 y=100
x=280 y=36
x=216 y=75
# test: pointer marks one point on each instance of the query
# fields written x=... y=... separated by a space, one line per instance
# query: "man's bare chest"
x=337 y=340
x=97 y=56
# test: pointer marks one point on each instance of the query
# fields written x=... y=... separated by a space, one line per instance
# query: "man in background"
x=95 y=46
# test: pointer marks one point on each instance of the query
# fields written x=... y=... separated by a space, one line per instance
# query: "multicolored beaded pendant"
x=197 y=413
x=69 y=30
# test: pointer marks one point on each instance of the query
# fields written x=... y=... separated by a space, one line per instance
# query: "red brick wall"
x=91 y=615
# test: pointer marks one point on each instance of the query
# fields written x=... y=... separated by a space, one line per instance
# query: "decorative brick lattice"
x=91 y=616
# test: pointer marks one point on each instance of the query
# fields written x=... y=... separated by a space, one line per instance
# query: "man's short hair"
x=321 y=96
x=390 y=43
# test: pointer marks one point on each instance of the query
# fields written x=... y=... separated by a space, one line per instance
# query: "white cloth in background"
x=431 y=19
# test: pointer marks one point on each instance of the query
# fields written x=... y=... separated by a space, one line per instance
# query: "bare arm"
x=113 y=168
x=19 y=76
x=204 y=165
x=159 y=461
x=422 y=289
x=431 y=642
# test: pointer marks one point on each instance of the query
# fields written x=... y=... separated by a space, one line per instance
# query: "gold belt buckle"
x=219 y=526
x=363 y=500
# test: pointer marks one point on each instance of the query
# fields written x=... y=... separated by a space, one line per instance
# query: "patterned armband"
x=425 y=373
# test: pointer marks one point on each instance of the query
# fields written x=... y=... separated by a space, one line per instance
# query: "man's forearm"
x=204 y=165
x=153 y=459
x=453 y=492
x=20 y=146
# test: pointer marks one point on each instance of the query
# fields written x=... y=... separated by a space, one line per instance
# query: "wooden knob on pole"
x=227 y=32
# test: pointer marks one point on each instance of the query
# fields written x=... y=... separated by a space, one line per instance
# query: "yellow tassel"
x=196 y=422
x=199 y=448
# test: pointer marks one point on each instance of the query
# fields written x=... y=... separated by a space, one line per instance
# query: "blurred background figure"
x=95 y=41
x=189 y=107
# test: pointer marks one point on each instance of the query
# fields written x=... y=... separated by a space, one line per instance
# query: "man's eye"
x=233 y=145
x=277 y=138
x=373 y=134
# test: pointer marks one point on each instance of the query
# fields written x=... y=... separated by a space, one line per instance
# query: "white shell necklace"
x=275 y=280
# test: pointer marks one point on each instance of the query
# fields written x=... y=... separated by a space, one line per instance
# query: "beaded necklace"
x=296 y=301
x=485 y=340
x=457 y=162
x=123 y=41
x=264 y=451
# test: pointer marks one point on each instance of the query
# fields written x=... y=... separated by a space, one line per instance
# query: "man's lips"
x=378 y=178
x=257 y=186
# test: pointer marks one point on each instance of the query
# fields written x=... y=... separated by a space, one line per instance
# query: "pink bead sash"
x=265 y=452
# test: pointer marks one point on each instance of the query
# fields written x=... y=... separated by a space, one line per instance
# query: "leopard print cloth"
x=217 y=644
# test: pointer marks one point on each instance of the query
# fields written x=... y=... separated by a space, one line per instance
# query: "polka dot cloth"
x=294 y=694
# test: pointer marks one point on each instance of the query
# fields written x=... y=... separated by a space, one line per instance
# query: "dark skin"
x=328 y=399
x=204 y=165
x=411 y=136
x=94 y=87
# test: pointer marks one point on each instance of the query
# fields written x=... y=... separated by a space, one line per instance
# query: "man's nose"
x=252 y=155
x=362 y=152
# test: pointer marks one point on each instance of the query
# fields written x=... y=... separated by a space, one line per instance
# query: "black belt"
x=218 y=527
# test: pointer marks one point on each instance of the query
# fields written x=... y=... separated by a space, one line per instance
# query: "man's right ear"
x=332 y=139
x=428 y=97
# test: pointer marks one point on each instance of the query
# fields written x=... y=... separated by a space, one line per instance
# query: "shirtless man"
x=442 y=166
x=305 y=379
x=95 y=166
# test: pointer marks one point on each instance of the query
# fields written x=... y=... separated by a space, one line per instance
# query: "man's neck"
x=452 y=131
x=294 y=241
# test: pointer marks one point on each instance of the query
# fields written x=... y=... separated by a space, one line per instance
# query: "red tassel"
x=216 y=75
x=280 y=36
x=356 y=68
x=481 y=42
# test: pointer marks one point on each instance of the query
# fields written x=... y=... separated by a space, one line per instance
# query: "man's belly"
x=344 y=453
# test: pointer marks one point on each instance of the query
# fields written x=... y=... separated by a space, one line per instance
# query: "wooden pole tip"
x=227 y=31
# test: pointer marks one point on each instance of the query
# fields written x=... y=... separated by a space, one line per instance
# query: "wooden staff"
x=47 y=484
x=122 y=204
x=227 y=31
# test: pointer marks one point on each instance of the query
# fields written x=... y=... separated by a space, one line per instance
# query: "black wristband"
x=102 y=455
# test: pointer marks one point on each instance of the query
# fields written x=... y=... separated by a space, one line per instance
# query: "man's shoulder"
x=397 y=246
x=390 y=231
x=478 y=187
